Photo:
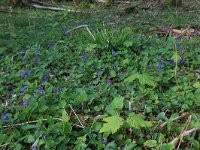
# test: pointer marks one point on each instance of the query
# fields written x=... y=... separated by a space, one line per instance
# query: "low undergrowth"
x=69 y=90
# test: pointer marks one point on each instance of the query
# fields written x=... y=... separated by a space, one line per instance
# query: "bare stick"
x=48 y=8
x=188 y=132
x=76 y=116
x=78 y=27
x=29 y=122
x=90 y=33
x=177 y=118
x=82 y=26
x=35 y=121
x=53 y=8
x=185 y=128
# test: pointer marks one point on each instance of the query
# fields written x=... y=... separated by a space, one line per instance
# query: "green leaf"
x=132 y=77
x=30 y=138
x=65 y=117
x=82 y=96
x=146 y=79
x=128 y=43
x=111 y=146
x=126 y=61
x=91 y=47
x=150 y=143
x=2 y=50
x=196 y=84
x=130 y=146
x=29 y=126
x=112 y=124
x=176 y=58
x=137 y=121
x=117 y=103
x=79 y=76
x=112 y=73
x=143 y=79
x=27 y=96
x=167 y=146
x=80 y=143
x=161 y=138
x=55 y=24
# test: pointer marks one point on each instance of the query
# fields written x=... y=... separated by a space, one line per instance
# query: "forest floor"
x=100 y=77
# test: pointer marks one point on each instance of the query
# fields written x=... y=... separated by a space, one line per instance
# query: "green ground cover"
x=70 y=90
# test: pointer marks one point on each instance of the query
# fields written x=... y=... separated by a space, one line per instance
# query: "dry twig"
x=188 y=132
x=185 y=128
x=35 y=121
x=178 y=139
x=177 y=118
x=82 y=26
x=76 y=116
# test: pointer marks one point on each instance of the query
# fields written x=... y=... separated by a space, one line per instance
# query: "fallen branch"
x=178 y=33
x=177 y=118
x=48 y=8
x=122 y=2
x=82 y=26
x=188 y=132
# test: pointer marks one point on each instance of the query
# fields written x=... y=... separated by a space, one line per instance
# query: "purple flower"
x=26 y=102
x=30 y=72
x=25 y=60
x=35 y=59
x=122 y=73
x=149 y=66
x=44 y=137
x=178 y=46
x=108 y=81
x=159 y=68
x=104 y=141
x=182 y=61
x=93 y=66
x=23 y=51
x=113 y=68
x=171 y=61
x=55 y=91
x=24 y=88
x=34 y=147
x=114 y=53
x=40 y=91
x=61 y=89
x=161 y=59
x=7 y=70
x=179 y=38
x=50 y=45
x=98 y=74
x=5 y=116
x=45 y=79
x=32 y=95
x=197 y=33
x=24 y=75
x=39 y=51
x=84 y=57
